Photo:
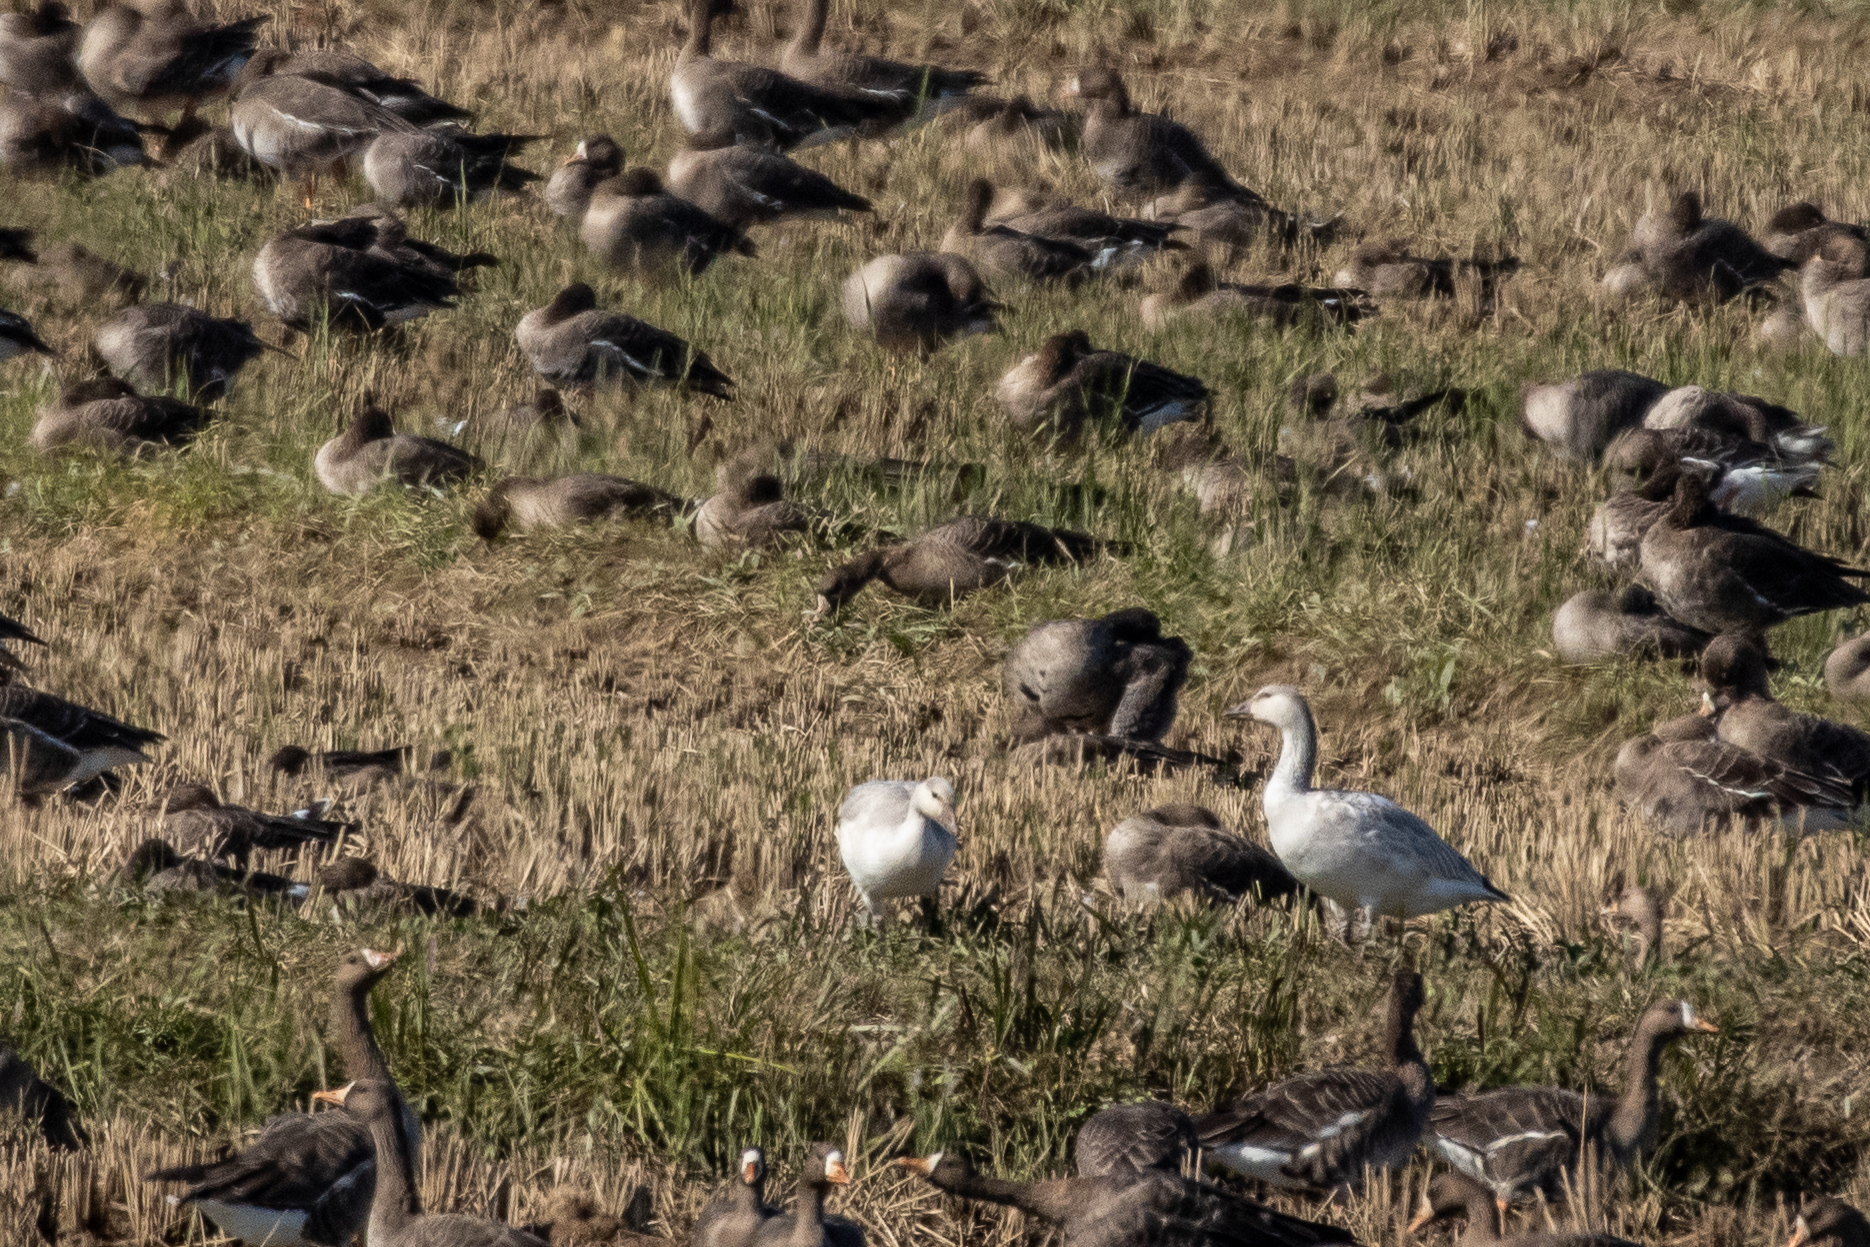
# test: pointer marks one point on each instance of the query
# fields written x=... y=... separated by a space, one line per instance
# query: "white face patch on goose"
x=1688 y=1015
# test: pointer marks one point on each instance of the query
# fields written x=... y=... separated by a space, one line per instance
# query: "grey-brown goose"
x=36 y=49
x=157 y=345
x=443 y=167
x=1681 y=777
x=158 y=57
x=1747 y=715
x=22 y=1091
x=347 y=70
x=933 y=87
x=1141 y=155
x=79 y=275
x=1200 y=292
x=633 y=223
x=1847 y=670
x=526 y=503
x=1185 y=850
x=808 y=1225
x=1523 y=1142
x=109 y=416
x=1392 y=270
x=1111 y=240
x=751 y=509
x=544 y=419
x=200 y=150
x=1458 y=1195
x=1834 y=290
x=570 y=341
x=155 y=867
x=744 y=185
x=102 y=742
x=1233 y=220
x=17 y=337
x=1752 y=475
x=1799 y=231
x=764 y=106
x=568 y=190
x=1139 y=1208
x=1578 y=418
x=1067 y=384
x=391 y=238
x=1614 y=537
x=349 y=274
x=68 y=130
x=1725 y=573
x=1594 y=625
x=1684 y=255
x=1130 y=1138
x=356 y=882
x=984 y=121
x=919 y=300
x=1829 y=1220
x=348 y=766
x=370 y=451
x=1739 y=416
x=1001 y=251
x=310 y=1178
x=304 y=125
x=38 y=764
x=194 y=816
x=951 y=560
x=1321 y=1131
x=1114 y=676
x=734 y=1218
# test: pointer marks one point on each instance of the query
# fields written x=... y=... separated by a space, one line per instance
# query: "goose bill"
x=334 y=1097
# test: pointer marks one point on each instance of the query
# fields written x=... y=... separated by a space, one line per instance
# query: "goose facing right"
x=951 y=560
x=808 y=1225
x=1358 y=850
x=896 y=838
x=742 y=185
x=1847 y=670
x=527 y=503
x=1201 y=292
x=918 y=300
x=1185 y=850
x=1068 y=384
x=571 y=342
x=101 y=741
x=370 y=451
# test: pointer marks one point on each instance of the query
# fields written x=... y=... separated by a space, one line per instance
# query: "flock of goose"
x=1703 y=579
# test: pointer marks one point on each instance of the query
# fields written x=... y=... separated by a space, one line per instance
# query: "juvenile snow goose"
x=1685 y=780
x=351 y=273
x=1594 y=625
x=1835 y=293
x=442 y=168
x=1141 y=155
x=764 y=106
x=1185 y=850
x=571 y=342
x=1320 y=1131
x=1684 y=255
x=370 y=451
x=745 y=186
x=896 y=837
x=102 y=742
x=17 y=337
x=568 y=190
x=1457 y=1195
x=632 y=223
x=1747 y=715
x=807 y=1225
x=919 y=300
x=526 y=503
x=1001 y=251
x=1130 y=1138
x=934 y=88
x=304 y=125
x=1578 y=418
x=734 y=1218
x=158 y=57
x=1725 y=573
x=1829 y=1220
x=1199 y=292
x=1355 y=849
x=1799 y=231
x=1847 y=670
x=157 y=345
x=1525 y=1142
x=22 y=1091
x=36 y=49
x=195 y=817
x=1068 y=384
x=1115 y=676
x=952 y=560
x=109 y=416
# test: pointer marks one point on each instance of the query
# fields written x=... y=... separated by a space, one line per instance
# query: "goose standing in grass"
x=1131 y=1138
x=932 y=87
x=1200 y=292
x=1067 y=384
x=1685 y=255
x=1847 y=670
x=1357 y=850
x=1799 y=231
x=1594 y=625
x=896 y=837
x=1683 y=778
x=1748 y=716
x=1579 y=418
x=633 y=223
x=733 y=1219
x=1001 y=251
x=370 y=451
x=746 y=186
x=1458 y=1195
x=17 y=337
x=1321 y=1131
x=808 y=1225
x=157 y=345
x=351 y=274
x=1117 y=676
x=101 y=741
x=1526 y=1142
x=1724 y=573
x=195 y=817
x=441 y=168
x=952 y=560
x=527 y=503
x=1828 y=1220
x=1185 y=850
x=919 y=300
x=595 y=160
x=571 y=342
x=158 y=57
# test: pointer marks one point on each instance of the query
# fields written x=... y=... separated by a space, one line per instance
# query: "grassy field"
x=659 y=737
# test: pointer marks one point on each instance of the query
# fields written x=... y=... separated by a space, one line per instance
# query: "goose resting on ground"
x=370 y=451
x=633 y=223
x=1683 y=778
x=157 y=345
x=1748 y=716
x=1129 y=1138
x=1117 y=676
x=568 y=190
x=1457 y=1195
x=952 y=560
x=1177 y=850
x=919 y=300
x=1684 y=255
x=527 y=503
x=1847 y=670
x=896 y=838
x=1200 y=292
x=570 y=341
x=744 y=186
x=999 y=250
x=1068 y=384
x=808 y=1225
x=17 y=337
x=109 y=416
x=194 y=816
x=935 y=88
x=1594 y=625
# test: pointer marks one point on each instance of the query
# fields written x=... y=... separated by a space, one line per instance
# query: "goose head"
x=1829 y=1219
x=752 y=1166
x=1671 y=1019
x=933 y=799
x=360 y=969
x=1280 y=705
x=828 y=1161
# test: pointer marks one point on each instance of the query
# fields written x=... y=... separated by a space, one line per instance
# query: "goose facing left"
x=358 y=273
x=1457 y=1195
x=157 y=345
x=935 y=88
x=370 y=451
x=571 y=341
x=157 y=56
x=108 y=415
x=896 y=837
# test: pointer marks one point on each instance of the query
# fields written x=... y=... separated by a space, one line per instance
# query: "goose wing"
x=78 y=726
x=1517 y=1139
x=297 y=1161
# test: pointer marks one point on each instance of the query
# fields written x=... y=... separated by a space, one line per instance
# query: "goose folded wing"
x=76 y=725
x=1737 y=773
x=1779 y=572
x=1521 y=1131
x=295 y=1162
x=195 y=61
x=643 y=351
x=385 y=287
x=1291 y=1115
x=1368 y=1110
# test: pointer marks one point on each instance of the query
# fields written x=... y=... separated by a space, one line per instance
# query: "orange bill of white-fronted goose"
x=751 y=509
x=1141 y=155
x=17 y=337
x=1068 y=384
x=808 y=1225
x=370 y=451
x=396 y=1217
x=1131 y=1138
x=402 y=96
x=1725 y=573
x=570 y=341
x=764 y=106
x=734 y=1218
x=108 y=415
x=633 y=224
x=1001 y=251
x=36 y=49
x=356 y=883
x=338 y=272
x=193 y=816
x=1682 y=254
x=1682 y=778
x=952 y=560
x=1112 y=241
x=161 y=345
x=526 y=503
x=1525 y=1142
x=1200 y=292
x=303 y=126
x=1847 y=670
x=1392 y=270
x=597 y=159
x=79 y=275
x=310 y=1178
x=158 y=57
x=1746 y=714
x=1457 y=1195
x=155 y=867
x=1594 y=625
x=919 y=300
x=444 y=167
x=1798 y=231
x=70 y=130
x=1115 y=676
x=22 y=1091
x=1578 y=418
x=804 y=57
x=1185 y=850
x=102 y=742
x=1321 y=1131
x=1829 y=1222
x=745 y=186
x=1834 y=290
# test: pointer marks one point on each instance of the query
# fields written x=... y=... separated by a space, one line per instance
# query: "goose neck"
x=700 y=32
x=812 y=31
x=350 y=1022
x=1633 y=1123
x=808 y=1218
x=1298 y=756
x=395 y=1203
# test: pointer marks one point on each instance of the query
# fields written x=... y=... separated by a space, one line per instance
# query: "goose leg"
x=931 y=915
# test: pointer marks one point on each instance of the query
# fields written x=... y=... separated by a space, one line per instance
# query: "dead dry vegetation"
x=659 y=738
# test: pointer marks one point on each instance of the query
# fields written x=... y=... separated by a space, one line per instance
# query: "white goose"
x=1357 y=850
x=896 y=837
